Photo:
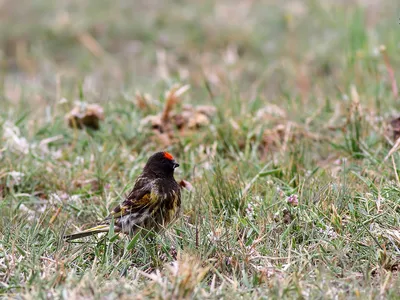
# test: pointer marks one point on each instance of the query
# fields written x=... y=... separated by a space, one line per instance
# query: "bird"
x=153 y=203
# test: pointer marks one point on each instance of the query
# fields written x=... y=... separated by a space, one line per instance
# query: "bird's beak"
x=175 y=164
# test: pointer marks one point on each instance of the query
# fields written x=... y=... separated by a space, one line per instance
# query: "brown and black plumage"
x=154 y=201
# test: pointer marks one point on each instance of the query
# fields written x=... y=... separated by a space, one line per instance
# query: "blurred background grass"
x=274 y=48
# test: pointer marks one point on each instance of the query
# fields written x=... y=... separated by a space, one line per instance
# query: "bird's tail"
x=87 y=232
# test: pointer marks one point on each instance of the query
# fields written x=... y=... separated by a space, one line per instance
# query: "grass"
x=303 y=97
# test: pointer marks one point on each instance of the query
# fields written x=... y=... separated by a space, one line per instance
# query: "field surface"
x=282 y=115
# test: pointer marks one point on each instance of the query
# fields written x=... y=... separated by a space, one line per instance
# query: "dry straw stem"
x=91 y=44
x=395 y=147
x=390 y=70
x=172 y=97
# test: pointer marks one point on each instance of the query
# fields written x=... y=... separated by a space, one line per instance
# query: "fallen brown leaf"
x=85 y=115
x=166 y=123
x=395 y=124
x=186 y=185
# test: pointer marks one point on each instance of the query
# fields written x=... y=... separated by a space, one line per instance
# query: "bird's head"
x=161 y=163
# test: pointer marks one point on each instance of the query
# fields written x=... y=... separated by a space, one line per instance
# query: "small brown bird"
x=154 y=201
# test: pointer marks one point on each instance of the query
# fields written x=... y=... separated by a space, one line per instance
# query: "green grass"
x=303 y=99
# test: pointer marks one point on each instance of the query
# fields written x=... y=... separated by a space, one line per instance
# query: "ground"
x=279 y=113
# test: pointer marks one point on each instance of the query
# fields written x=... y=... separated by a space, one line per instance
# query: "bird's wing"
x=141 y=197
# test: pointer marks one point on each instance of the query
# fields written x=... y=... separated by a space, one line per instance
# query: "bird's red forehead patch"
x=168 y=156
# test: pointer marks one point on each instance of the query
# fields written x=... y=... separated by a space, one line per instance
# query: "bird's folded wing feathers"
x=136 y=200
x=140 y=198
